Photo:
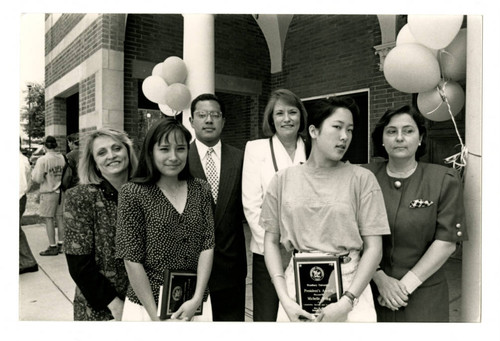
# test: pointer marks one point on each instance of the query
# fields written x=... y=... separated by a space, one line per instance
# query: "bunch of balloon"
x=430 y=59
x=166 y=86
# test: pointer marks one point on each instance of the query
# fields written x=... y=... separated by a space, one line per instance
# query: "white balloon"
x=157 y=70
x=155 y=89
x=453 y=58
x=432 y=104
x=435 y=31
x=164 y=108
x=411 y=68
x=406 y=37
x=178 y=96
x=174 y=70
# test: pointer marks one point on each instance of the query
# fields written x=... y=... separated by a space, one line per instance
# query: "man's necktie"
x=212 y=177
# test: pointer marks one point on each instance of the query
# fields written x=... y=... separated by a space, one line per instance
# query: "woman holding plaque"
x=284 y=120
x=327 y=206
x=107 y=162
x=165 y=222
x=425 y=208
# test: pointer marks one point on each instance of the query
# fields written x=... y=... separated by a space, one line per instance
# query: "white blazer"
x=258 y=170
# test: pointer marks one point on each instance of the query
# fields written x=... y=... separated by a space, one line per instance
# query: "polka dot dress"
x=152 y=232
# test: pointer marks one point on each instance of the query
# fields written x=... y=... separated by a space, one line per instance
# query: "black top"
x=150 y=231
x=229 y=268
x=90 y=222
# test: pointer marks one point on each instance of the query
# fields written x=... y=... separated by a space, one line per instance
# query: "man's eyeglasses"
x=204 y=114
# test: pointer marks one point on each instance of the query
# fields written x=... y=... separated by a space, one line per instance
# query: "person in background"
x=426 y=213
x=73 y=157
x=221 y=165
x=329 y=206
x=285 y=119
x=165 y=221
x=107 y=162
x=27 y=263
x=48 y=172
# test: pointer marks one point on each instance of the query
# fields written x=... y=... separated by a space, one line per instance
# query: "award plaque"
x=318 y=280
x=177 y=288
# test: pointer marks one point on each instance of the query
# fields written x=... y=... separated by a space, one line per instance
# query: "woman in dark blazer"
x=425 y=209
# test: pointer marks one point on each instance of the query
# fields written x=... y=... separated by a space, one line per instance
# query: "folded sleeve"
x=372 y=214
x=450 y=225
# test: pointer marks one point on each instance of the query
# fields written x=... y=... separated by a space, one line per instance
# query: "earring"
x=419 y=144
x=383 y=145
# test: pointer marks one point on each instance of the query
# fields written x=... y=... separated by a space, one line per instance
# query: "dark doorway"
x=72 y=115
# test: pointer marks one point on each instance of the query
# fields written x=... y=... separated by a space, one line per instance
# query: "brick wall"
x=152 y=38
x=55 y=114
x=323 y=54
x=327 y=54
x=55 y=111
x=104 y=32
x=238 y=114
x=87 y=95
x=61 y=28
x=240 y=51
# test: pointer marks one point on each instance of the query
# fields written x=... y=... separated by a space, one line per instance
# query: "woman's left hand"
x=186 y=310
x=335 y=312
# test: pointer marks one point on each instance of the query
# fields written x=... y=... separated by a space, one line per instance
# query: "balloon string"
x=458 y=160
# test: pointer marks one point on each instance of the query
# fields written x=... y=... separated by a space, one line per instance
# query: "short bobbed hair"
x=378 y=132
x=147 y=173
x=87 y=168
x=289 y=98
x=324 y=108
x=207 y=97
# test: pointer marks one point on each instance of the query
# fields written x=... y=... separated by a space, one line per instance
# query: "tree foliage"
x=34 y=109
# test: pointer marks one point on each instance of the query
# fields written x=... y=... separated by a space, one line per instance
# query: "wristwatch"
x=354 y=300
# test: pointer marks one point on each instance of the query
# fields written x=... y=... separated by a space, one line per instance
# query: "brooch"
x=420 y=203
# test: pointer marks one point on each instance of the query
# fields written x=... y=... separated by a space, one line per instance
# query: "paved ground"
x=47 y=295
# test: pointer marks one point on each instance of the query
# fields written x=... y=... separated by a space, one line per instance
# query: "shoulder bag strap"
x=272 y=154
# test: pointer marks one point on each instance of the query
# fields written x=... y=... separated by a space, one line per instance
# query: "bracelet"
x=277 y=275
x=351 y=297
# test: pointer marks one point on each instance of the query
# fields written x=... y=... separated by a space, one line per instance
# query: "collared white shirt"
x=216 y=155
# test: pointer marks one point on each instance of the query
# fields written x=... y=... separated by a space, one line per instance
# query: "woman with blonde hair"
x=107 y=161
x=285 y=119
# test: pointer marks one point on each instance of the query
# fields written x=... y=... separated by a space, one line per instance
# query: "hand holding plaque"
x=318 y=280
x=178 y=287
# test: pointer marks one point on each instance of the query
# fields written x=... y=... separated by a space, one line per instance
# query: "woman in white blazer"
x=285 y=119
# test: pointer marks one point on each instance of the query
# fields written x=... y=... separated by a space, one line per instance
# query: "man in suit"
x=221 y=165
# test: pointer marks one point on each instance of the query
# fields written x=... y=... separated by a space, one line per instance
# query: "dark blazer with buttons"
x=424 y=207
x=230 y=264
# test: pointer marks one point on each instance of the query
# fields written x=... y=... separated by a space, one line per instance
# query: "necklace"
x=401 y=174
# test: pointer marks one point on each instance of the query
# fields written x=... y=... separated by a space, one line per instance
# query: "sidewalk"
x=47 y=295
